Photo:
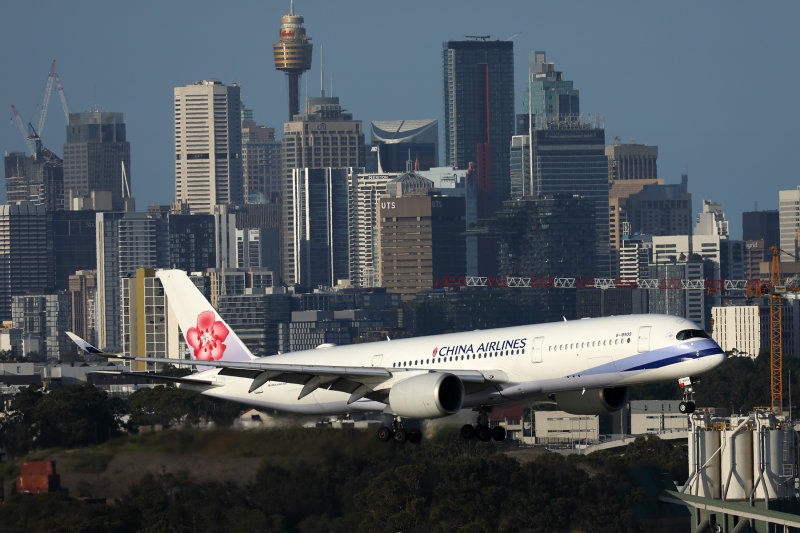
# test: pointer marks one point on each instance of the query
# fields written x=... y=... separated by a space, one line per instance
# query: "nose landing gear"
x=687 y=406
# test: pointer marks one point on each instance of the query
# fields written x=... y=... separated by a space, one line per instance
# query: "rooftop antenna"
x=321 y=72
x=291 y=7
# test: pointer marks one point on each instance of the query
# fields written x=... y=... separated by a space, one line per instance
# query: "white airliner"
x=585 y=366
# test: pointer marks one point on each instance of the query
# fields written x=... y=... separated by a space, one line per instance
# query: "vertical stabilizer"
x=208 y=336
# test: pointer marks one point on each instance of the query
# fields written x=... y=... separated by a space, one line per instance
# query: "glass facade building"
x=569 y=158
x=479 y=109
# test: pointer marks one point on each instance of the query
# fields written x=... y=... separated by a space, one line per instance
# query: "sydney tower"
x=292 y=55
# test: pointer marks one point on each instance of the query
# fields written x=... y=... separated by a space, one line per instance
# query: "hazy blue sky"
x=714 y=84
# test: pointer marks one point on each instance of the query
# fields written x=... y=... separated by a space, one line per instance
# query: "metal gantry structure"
x=751 y=286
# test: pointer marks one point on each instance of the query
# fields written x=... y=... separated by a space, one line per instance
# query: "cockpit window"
x=687 y=334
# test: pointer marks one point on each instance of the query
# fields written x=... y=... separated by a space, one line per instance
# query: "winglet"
x=82 y=344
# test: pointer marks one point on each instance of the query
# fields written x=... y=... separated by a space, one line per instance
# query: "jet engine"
x=430 y=395
x=593 y=401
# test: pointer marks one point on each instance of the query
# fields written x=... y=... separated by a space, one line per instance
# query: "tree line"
x=349 y=483
x=81 y=415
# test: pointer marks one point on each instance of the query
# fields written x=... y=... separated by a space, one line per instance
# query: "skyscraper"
x=365 y=192
x=320 y=198
x=420 y=236
x=548 y=95
x=324 y=137
x=261 y=163
x=632 y=162
x=661 y=209
x=761 y=225
x=789 y=221
x=479 y=111
x=208 y=145
x=569 y=158
x=26 y=262
x=94 y=156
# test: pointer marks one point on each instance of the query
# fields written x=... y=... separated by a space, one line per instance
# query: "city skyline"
x=687 y=78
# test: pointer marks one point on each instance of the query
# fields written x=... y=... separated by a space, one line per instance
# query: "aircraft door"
x=377 y=360
x=536 y=350
x=644 y=339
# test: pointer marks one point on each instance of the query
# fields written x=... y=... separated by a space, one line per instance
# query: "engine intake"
x=593 y=401
x=430 y=395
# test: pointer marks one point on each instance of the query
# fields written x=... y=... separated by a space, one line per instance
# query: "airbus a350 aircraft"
x=585 y=366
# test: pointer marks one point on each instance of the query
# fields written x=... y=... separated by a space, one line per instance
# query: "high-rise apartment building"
x=397 y=141
x=324 y=137
x=479 y=112
x=789 y=222
x=261 y=163
x=569 y=158
x=38 y=179
x=149 y=328
x=125 y=242
x=46 y=317
x=208 y=145
x=95 y=154
x=26 y=262
x=632 y=162
x=366 y=190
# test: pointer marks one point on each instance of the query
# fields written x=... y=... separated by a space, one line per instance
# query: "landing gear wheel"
x=484 y=433
x=687 y=386
x=400 y=435
x=414 y=436
x=467 y=431
x=384 y=434
x=499 y=433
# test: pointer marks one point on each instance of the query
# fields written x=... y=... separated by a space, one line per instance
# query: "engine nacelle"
x=427 y=396
x=593 y=401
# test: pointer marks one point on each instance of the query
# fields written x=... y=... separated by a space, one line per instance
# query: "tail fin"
x=207 y=335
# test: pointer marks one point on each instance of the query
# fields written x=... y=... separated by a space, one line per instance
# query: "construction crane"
x=46 y=101
x=21 y=127
x=776 y=291
x=33 y=136
x=63 y=98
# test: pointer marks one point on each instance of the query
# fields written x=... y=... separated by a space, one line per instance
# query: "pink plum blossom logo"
x=207 y=337
x=434 y=351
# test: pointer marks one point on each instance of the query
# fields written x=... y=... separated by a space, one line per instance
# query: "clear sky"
x=714 y=84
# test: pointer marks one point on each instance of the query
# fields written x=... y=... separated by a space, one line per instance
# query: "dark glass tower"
x=95 y=151
x=479 y=112
x=569 y=158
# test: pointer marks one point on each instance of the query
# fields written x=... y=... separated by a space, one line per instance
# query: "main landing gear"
x=399 y=433
x=687 y=386
x=482 y=430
